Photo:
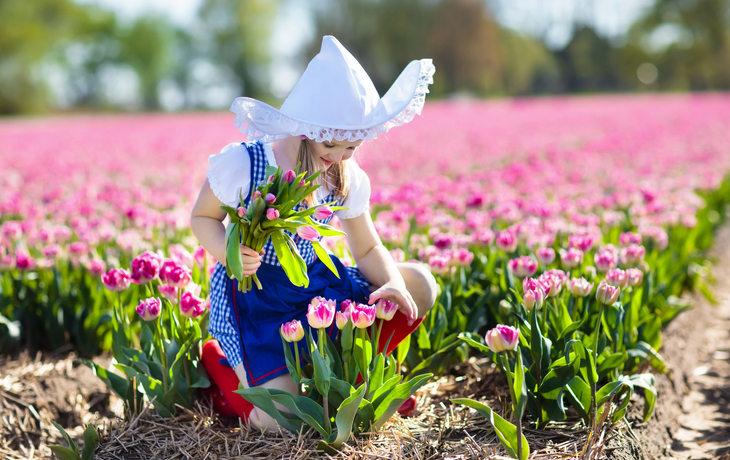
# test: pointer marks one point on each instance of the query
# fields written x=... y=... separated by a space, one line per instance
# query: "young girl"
x=331 y=110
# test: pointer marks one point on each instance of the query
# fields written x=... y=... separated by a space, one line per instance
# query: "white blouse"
x=230 y=174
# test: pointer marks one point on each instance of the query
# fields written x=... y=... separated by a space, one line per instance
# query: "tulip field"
x=563 y=233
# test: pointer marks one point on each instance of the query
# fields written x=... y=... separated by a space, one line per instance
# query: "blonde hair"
x=334 y=179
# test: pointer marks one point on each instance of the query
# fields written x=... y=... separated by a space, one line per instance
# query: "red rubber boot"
x=225 y=378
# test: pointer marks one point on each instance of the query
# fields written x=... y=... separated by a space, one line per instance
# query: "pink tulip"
x=78 y=248
x=362 y=315
x=443 y=240
x=116 y=279
x=582 y=242
x=628 y=238
x=169 y=292
x=605 y=261
x=632 y=255
x=191 y=306
x=507 y=242
x=341 y=319
x=523 y=266
x=439 y=265
x=385 y=309
x=292 y=331
x=241 y=212
x=553 y=280
x=12 y=230
x=51 y=251
x=321 y=313
x=502 y=338
x=23 y=260
x=96 y=267
x=199 y=255
x=149 y=309
x=545 y=256
x=635 y=276
x=460 y=257
x=607 y=294
x=308 y=233
x=571 y=258
x=272 y=213
x=617 y=277
x=289 y=176
x=145 y=267
x=175 y=273
x=323 y=212
x=398 y=255
x=256 y=195
x=270 y=198
x=580 y=287
x=271 y=178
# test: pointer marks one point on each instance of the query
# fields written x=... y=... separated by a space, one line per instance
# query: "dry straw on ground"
x=439 y=429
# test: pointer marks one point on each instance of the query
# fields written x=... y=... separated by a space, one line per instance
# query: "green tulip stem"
x=365 y=368
x=161 y=347
x=518 y=418
x=296 y=354
x=321 y=344
x=376 y=346
x=596 y=334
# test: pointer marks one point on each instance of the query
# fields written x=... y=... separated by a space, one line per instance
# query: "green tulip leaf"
x=506 y=432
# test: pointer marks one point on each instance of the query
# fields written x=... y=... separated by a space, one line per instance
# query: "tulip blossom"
x=439 y=265
x=270 y=198
x=272 y=213
x=145 y=267
x=199 y=255
x=96 y=267
x=363 y=315
x=571 y=258
x=169 y=292
x=502 y=338
x=23 y=260
x=607 y=294
x=460 y=257
x=78 y=248
x=241 y=212
x=581 y=242
x=580 y=287
x=341 y=319
x=323 y=213
x=191 y=306
x=617 y=277
x=289 y=176
x=149 y=309
x=506 y=241
x=408 y=407
x=308 y=233
x=632 y=255
x=605 y=261
x=292 y=331
x=629 y=238
x=116 y=279
x=7 y=262
x=523 y=266
x=321 y=313
x=635 y=276
x=545 y=256
x=175 y=274
x=386 y=309
x=51 y=251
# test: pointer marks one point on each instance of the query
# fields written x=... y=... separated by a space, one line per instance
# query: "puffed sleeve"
x=358 y=201
x=230 y=173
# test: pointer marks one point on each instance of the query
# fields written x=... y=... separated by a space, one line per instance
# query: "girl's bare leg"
x=257 y=417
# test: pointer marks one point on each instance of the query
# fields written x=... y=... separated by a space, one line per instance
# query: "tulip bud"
x=506 y=241
x=580 y=287
x=308 y=233
x=271 y=178
x=289 y=176
x=635 y=276
x=116 y=279
x=341 y=319
x=571 y=258
x=385 y=309
x=272 y=213
x=270 y=198
x=617 y=277
x=607 y=294
x=502 y=338
x=241 y=211
x=322 y=212
x=169 y=292
x=505 y=308
x=408 y=407
x=292 y=331
x=321 y=312
x=523 y=266
x=545 y=256
x=149 y=309
x=362 y=315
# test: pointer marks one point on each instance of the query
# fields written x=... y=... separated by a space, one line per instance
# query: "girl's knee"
x=263 y=421
x=421 y=284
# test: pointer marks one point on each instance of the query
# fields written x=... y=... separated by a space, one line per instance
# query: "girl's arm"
x=206 y=221
x=376 y=263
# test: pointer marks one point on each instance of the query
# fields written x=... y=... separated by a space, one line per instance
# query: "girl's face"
x=330 y=152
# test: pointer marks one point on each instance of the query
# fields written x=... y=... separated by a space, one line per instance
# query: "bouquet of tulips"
x=275 y=211
x=350 y=386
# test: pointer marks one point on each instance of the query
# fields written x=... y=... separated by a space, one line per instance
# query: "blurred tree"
x=239 y=32
x=33 y=33
x=687 y=40
x=529 y=67
x=147 y=47
x=588 y=62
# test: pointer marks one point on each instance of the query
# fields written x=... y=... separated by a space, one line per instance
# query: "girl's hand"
x=397 y=292
x=251 y=260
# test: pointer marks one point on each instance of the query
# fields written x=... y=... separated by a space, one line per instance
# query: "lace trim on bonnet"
x=247 y=110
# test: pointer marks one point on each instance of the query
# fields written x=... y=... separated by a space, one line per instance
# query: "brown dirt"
x=692 y=417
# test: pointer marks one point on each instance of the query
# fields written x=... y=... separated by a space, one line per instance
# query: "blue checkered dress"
x=247 y=325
